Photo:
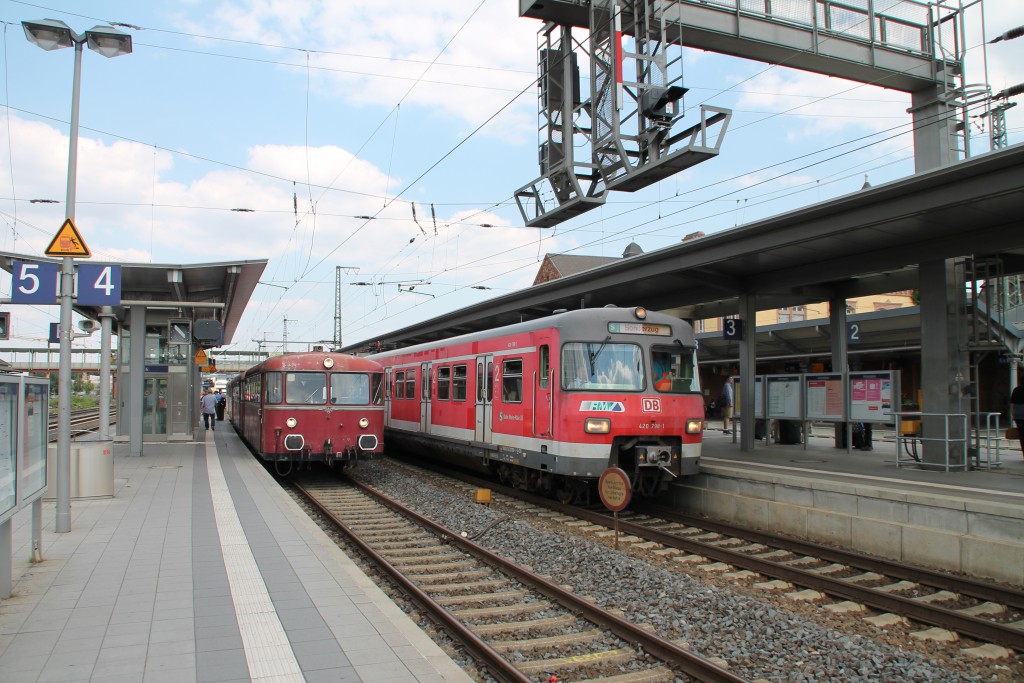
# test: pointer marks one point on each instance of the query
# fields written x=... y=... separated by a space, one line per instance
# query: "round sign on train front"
x=614 y=489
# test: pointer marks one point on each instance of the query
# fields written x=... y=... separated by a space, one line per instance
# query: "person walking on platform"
x=208 y=403
x=222 y=402
x=728 y=400
x=1017 y=409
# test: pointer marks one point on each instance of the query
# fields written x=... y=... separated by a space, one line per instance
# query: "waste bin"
x=92 y=468
x=789 y=431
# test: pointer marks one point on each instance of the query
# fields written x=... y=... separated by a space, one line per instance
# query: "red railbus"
x=549 y=404
x=310 y=407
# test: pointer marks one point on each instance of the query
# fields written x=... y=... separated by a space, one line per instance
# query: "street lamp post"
x=52 y=34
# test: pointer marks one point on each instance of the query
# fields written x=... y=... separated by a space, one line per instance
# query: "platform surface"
x=200 y=568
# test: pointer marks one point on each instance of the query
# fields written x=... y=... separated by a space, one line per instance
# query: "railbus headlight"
x=328 y=363
x=363 y=423
x=597 y=425
x=291 y=422
x=694 y=426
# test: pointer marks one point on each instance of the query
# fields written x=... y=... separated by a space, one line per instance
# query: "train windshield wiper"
x=594 y=354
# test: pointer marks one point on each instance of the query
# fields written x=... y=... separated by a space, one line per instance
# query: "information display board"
x=871 y=396
x=8 y=445
x=24 y=418
x=785 y=400
x=758 y=397
x=824 y=397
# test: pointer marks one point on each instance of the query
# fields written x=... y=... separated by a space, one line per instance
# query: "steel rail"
x=686 y=661
x=975 y=627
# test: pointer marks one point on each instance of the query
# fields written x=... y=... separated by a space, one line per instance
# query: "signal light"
x=660 y=103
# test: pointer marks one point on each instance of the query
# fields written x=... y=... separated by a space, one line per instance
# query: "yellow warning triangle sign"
x=68 y=242
x=201 y=357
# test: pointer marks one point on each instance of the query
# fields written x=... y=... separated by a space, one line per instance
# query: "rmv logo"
x=650 y=405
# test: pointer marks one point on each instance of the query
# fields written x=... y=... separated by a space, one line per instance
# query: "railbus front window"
x=350 y=389
x=273 y=387
x=602 y=366
x=305 y=388
x=673 y=370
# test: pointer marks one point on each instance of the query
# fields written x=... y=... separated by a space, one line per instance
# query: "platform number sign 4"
x=99 y=285
x=34 y=283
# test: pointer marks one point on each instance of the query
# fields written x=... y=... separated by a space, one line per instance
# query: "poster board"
x=824 y=397
x=872 y=395
x=758 y=397
x=24 y=421
x=784 y=397
x=9 y=389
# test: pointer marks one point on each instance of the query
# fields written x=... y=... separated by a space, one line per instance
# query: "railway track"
x=837 y=580
x=83 y=420
x=520 y=626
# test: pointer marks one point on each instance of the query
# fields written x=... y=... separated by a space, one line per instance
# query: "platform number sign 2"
x=99 y=285
x=853 y=333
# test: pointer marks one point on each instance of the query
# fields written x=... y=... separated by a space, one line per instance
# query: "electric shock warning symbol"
x=68 y=242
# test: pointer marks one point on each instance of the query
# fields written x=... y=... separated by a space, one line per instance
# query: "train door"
x=484 y=393
x=388 y=388
x=425 y=381
x=542 y=392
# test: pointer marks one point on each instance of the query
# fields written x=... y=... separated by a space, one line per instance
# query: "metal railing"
x=907 y=444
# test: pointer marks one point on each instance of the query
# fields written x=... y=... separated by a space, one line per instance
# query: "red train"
x=551 y=403
x=310 y=407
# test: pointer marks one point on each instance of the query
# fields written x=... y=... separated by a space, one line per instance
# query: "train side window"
x=273 y=380
x=377 y=388
x=459 y=382
x=444 y=383
x=545 y=366
x=512 y=381
x=410 y=384
x=479 y=382
x=399 y=385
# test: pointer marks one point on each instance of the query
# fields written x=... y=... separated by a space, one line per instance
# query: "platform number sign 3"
x=732 y=329
x=99 y=285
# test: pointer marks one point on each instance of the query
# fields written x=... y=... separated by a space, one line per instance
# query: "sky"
x=271 y=129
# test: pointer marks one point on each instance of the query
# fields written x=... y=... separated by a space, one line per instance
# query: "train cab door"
x=425 y=382
x=484 y=394
x=388 y=389
x=542 y=377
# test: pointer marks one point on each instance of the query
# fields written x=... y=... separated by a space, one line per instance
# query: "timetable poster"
x=871 y=395
x=825 y=396
x=8 y=445
x=758 y=397
x=784 y=397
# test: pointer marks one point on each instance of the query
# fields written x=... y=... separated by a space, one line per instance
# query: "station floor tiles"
x=200 y=568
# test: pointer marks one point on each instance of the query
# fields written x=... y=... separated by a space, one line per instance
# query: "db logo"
x=650 y=405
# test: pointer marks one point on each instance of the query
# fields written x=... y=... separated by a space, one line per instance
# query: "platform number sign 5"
x=99 y=285
x=853 y=333
x=34 y=283
x=732 y=329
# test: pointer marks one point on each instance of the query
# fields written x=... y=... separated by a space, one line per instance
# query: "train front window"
x=602 y=366
x=673 y=370
x=350 y=389
x=273 y=380
x=305 y=388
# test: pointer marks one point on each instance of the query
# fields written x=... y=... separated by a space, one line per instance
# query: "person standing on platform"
x=1017 y=409
x=222 y=401
x=208 y=403
x=728 y=400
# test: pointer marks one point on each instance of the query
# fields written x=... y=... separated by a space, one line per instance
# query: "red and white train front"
x=549 y=404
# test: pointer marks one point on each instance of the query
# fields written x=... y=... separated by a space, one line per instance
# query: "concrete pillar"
x=944 y=359
x=748 y=369
x=935 y=141
x=839 y=343
x=136 y=375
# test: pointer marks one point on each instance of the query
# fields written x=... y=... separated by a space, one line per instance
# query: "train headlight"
x=597 y=425
x=291 y=422
x=640 y=312
x=694 y=426
x=363 y=423
x=328 y=363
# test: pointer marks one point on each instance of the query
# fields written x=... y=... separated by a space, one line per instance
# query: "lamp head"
x=49 y=34
x=108 y=41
